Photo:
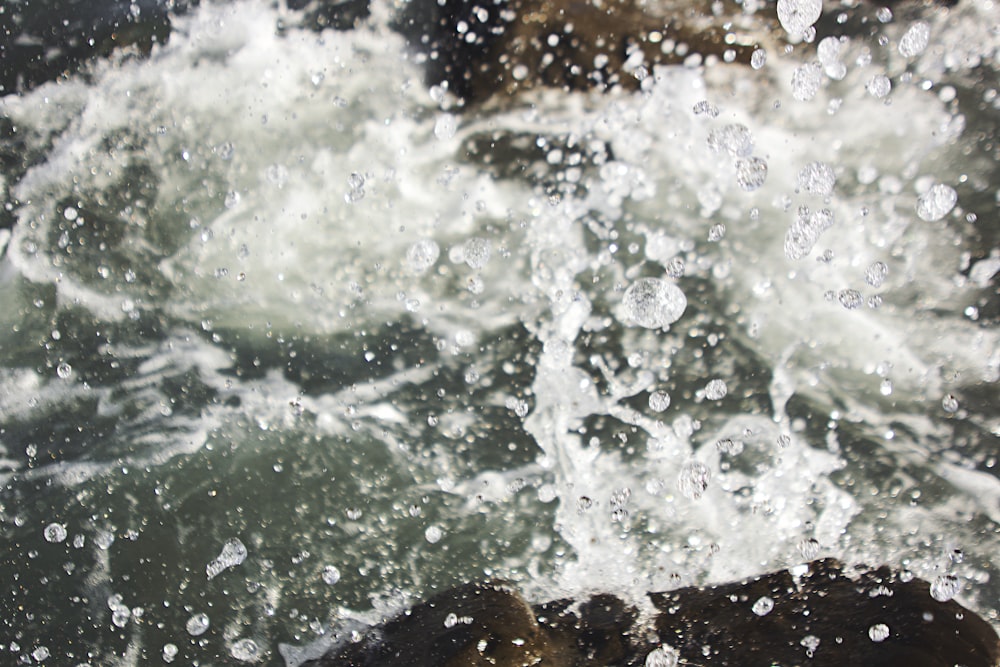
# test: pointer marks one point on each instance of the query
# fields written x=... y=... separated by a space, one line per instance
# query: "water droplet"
x=245 y=650
x=758 y=58
x=729 y=446
x=197 y=625
x=40 y=654
x=169 y=652
x=663 y=656
x=716 y=390
x=54 y=532
x=693 y=479
x=850 y=298
x=878 y=632
x=885 y=388
x=763 y=606
x=806 y=81
x=751 y=173
x=422 y=255
x=64 y=371
x=659 y=401
x=477 y=252
x=914 y=40
x=805 y=231
x=876 y=273
x=817 y=178
x=879 y=86
x=797 y=15
x=716 y=232
x=233 y=553
x=809 y=548
x=937 y=202
x=945 y=587
x=949 y=403
x=433 y=534
x=331 y=575
x=653 y=303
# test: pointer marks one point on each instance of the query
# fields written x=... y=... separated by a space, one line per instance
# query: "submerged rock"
x=826 y=616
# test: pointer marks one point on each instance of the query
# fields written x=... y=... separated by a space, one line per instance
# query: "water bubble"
x=949 y=403
x=54 y=532
x=937 y=202
x=763 y=606
x=197 y=625
x=945 y=587
x=653 y=303
x=675 y=267
x=422 y=255
x=817 y=178
x=751 y=173
x=806 y=81
x=828 y=50
x=433 y=534
x=245 y=650
x=758 y=58
x=444 y=127
x=876 y=273
x=878 y=632
x=120 y=616
x=797 y=15
x=659 y=401
x=64 y=371
x=693 y=479
x=477 y=252
x=734 y=139
x=914 y=40
x=809 y=548
x=331 y=575
x=850 y=298
x=716 y=232
x=716 y=390
x=233 y=553
x=879 y=86
x=663 y=656
x=169 y=652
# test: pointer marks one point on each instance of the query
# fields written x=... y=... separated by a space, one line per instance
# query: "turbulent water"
x=285 y=343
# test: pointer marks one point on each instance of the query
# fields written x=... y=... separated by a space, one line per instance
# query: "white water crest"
x=264 y=295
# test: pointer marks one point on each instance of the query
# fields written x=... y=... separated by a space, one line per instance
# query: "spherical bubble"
x=751 y=173
x=693 y=479
x=879 y=86
x=949 y=403
x=876 y=273
x=422 y=255
x=763 y=606
x=433 y=534
x=828 y=50
x=663 y=656
x=653 y=303
x=734 y=139
x=817 y=178
x=945 y=587
x=716 y=390
x=659 y=401
x=245 y=650
x=64 y=371
x=878 y=632
x=331 y=575
x=477 y=252
x=54 y=532
x=797 y=15
x=937 y=202
x=806 y=81
x=197 y=625
x=915 y=40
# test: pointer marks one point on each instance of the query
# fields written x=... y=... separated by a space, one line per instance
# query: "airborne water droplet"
x=693 y=479
x=937 y=202
x=54 y=532
x=751 y=173
x=878 y=632
x=233 y=553
x=653 y=303
x=763 y=606
x=663 y=656
x=197 y=625
x=915 y=40
x=716 y=390
x=796 y=16
x=659 y=401
x=422 y=255
x=945 y=587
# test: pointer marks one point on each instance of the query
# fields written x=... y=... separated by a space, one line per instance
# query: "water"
x=284 y=345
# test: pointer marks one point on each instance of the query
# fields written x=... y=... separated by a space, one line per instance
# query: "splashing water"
x=263 y=293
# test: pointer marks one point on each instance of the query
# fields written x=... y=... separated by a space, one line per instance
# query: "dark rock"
x=827 y=617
